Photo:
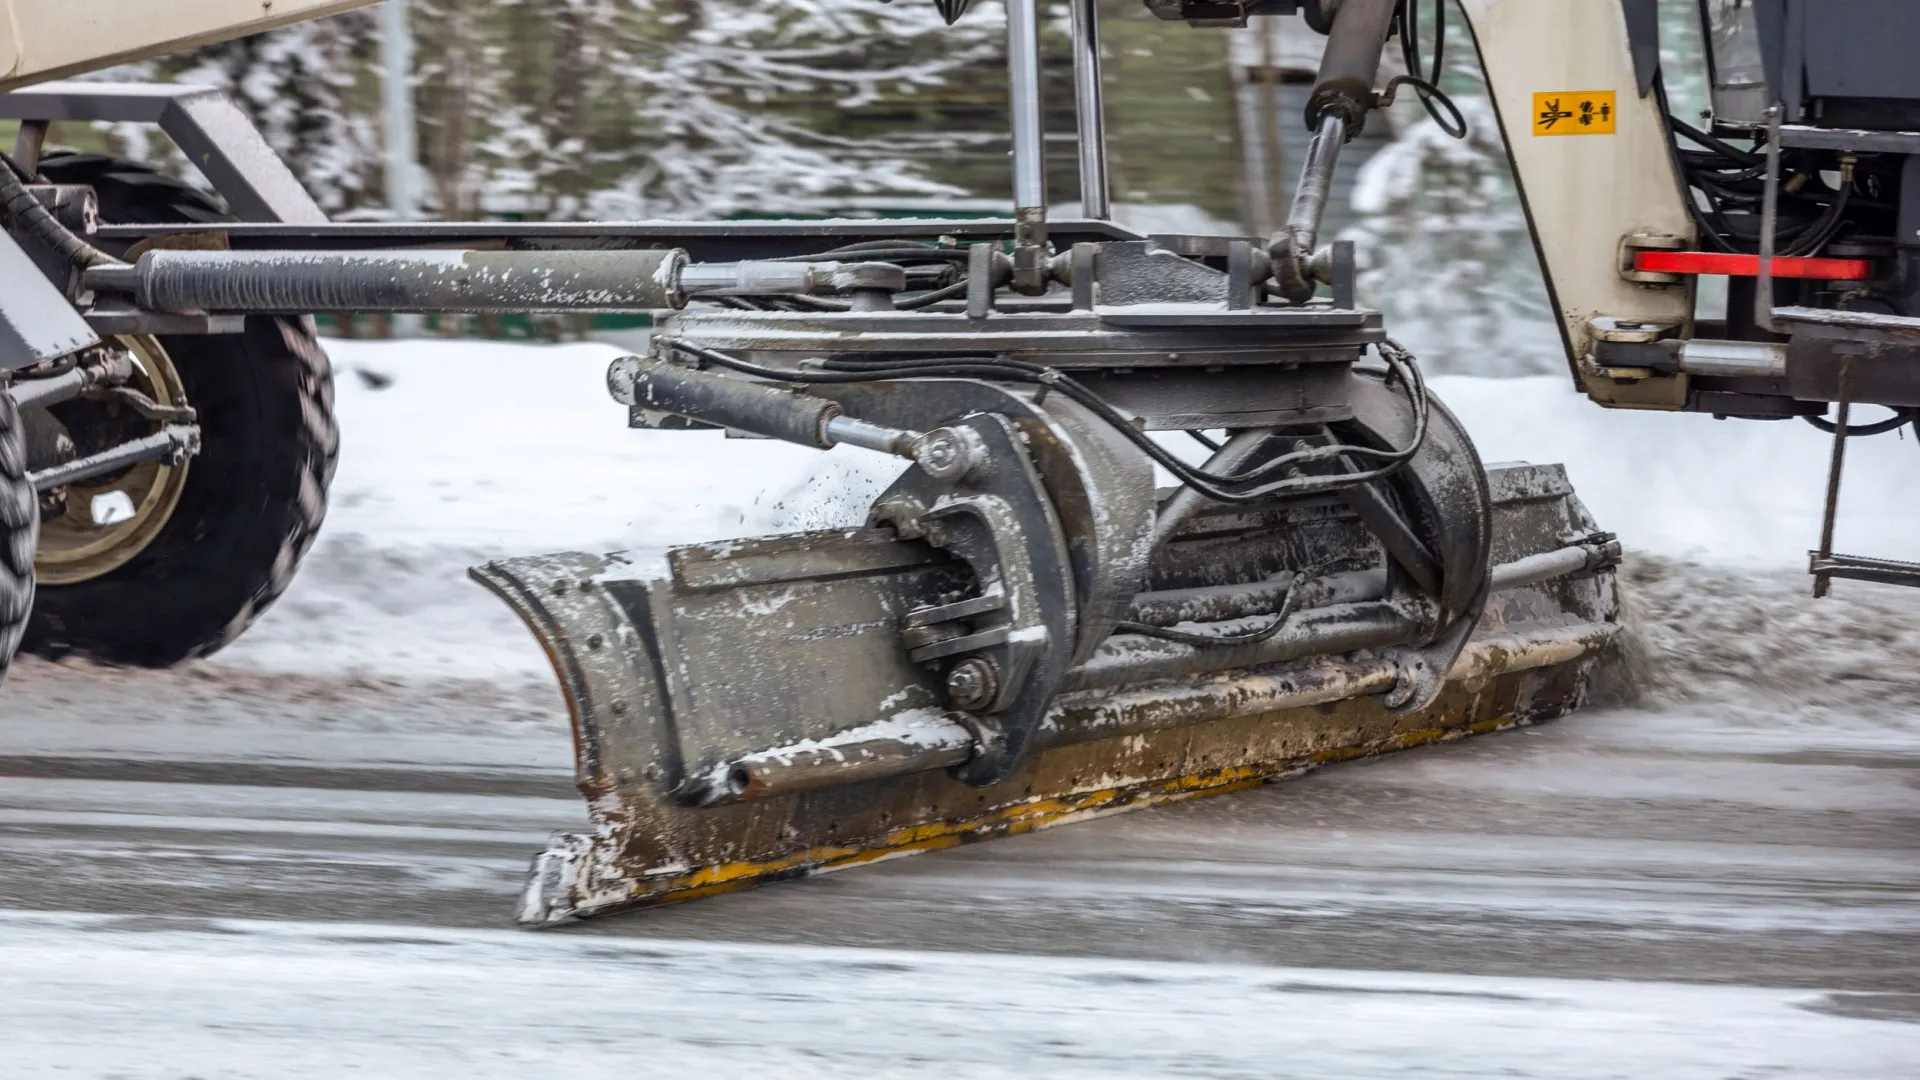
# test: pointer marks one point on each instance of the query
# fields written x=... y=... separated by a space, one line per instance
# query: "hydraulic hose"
x=38 y=222
x=1351 y=63
x=1236 y=488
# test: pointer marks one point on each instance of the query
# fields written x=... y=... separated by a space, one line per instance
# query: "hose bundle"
x=1276 y=477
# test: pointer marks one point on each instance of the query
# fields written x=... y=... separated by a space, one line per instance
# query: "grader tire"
x=19 y=526
x=255 y=494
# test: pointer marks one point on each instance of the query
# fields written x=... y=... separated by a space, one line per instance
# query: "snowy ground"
x=295 y=860
x=221 y=999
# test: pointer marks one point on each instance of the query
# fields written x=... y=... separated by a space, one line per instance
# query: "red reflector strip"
x=1784 y=266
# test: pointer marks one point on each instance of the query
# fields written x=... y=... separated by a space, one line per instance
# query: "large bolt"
x=973 y=683
x=949 y=453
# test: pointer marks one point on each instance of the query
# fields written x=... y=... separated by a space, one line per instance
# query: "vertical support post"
x=396 y=100
x=27 y=144
x=1089 y=112
x=1769 y=222
x=1029 y=162
x=1822 y=559
x=396 y=54
x=1273 y=187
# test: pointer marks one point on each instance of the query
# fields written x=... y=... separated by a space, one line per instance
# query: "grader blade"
x=756 y=710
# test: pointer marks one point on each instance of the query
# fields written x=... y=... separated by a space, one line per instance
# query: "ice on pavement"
x=469 y=451
x=232 y=998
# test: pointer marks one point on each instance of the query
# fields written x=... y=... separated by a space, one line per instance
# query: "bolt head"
x=972 y=683
x=949 y=453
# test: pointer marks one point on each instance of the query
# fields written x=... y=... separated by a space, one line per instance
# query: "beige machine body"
x=50 y=39
x=1593 y=191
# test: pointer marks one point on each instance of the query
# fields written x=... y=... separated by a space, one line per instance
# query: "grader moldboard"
x=1026 y=631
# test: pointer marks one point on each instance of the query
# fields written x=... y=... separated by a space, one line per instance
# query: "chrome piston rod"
x=1292 y=250
x=1088 y=110
x=1023 y=79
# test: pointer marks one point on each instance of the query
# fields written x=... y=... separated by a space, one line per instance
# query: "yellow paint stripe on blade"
x=1024 y=818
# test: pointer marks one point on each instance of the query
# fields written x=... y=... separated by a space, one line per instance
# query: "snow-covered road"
x=1627 y=893
x=298 y=860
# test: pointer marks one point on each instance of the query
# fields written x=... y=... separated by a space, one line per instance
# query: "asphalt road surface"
x=212 y=874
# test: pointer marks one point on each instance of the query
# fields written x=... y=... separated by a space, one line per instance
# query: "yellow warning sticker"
x=1573 y=112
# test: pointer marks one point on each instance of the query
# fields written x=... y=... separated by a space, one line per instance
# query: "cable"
x=928 y=299
x=1729 y=177
x=1721 y=147
x=1250 y=637
x=1427 y=88
x=885 y=251
x=1207 y=482
x=1900 y=418
x=904 y=252
x=1429 y=94
x=1225 y=489
x=1201 y=480
x=1834 y=218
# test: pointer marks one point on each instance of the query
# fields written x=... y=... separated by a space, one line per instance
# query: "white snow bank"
x=512 y=449
x=469 y=451
x=1730 y=491
x=456 y=452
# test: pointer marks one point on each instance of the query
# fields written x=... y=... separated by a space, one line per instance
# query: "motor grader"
x=1032 y=625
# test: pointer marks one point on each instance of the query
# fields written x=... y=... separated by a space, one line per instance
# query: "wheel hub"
x=94 y=527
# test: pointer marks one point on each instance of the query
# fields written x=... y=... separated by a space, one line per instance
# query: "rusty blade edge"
x=579 y=875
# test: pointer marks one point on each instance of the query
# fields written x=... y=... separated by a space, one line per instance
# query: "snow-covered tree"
x=296 y=83
x=1444 y=248
x=610 y=108
x=1445 y=253
x=673 y=107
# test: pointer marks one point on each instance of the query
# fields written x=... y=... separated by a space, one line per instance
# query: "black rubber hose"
x=1721 y=147
x=928 y=299
x=885 y=251
x=38 y=222
x=1431 y=96
x=1211 y=485
x=1205 y=482
x=1900 y=418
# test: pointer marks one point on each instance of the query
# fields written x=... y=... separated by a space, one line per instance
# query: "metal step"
x=1858 y=568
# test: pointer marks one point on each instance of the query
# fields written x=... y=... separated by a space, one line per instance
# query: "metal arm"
x=1029 y=160
x=1342 y=97
x=1088 y=111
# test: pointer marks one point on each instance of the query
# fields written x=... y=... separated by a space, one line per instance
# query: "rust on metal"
x=715 y=757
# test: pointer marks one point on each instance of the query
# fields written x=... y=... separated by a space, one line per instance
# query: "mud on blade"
x=746 y=712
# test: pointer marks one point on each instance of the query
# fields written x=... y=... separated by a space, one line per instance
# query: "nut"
x=949 y=453
x=973 y=683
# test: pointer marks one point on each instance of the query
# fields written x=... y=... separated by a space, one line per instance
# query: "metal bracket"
x=1004 y=649
x=128 y=320
x=37 y=322
x=203 y=121
x=1857 y=568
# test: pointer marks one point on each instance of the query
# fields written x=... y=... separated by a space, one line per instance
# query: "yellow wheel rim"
x=110 y=519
